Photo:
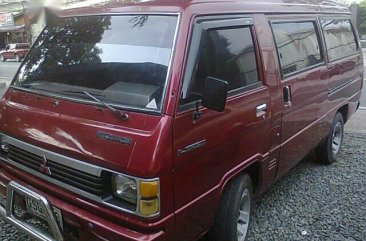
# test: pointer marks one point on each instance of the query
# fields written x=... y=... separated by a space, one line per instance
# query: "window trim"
x=202 y=25
x=320 y=43
x=353 y=32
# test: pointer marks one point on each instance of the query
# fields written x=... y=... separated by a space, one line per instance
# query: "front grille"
x=68 y=175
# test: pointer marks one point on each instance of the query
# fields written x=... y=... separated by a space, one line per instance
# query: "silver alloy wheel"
x=337 y=138
x=244 y=215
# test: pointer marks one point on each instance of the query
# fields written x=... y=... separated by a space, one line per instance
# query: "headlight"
x=144 y=193
x=125 y=188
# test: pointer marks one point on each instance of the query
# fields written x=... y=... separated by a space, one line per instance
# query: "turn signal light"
x=149 y=198
x=149 y=207
x=149 y=190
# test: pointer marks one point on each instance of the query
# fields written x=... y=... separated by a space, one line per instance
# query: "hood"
x=89 y=133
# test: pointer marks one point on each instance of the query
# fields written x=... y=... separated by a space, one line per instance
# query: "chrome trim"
x=58 y=158
x=335 y=89
x=7 y=214
x=261 y=110
x=192 y=147
x=78 y=165
x=288 y=103
x=129 y=108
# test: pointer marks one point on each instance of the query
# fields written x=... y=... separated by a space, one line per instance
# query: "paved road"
x=363 y=96
x=7 y=72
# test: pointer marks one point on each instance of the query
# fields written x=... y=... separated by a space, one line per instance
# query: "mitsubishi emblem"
x=44 y=168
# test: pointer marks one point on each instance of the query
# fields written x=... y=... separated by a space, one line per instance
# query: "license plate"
x=36 y=209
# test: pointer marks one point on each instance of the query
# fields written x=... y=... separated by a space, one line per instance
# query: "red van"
x=162 y=120
x=14 y=51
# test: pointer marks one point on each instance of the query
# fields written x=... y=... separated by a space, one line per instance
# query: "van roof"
x=214 y=6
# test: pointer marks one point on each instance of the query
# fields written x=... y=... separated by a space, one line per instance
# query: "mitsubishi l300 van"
x=163 y=120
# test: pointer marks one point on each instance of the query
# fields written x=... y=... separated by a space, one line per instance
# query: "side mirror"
x=215 y=94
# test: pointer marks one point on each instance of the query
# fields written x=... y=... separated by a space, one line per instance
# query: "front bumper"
x=7 y=213
x=84 y=224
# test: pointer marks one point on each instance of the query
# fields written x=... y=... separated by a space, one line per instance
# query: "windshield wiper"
x=80 y=92
x=118 y=113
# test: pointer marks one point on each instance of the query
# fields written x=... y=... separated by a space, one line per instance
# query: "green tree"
x=362 y=17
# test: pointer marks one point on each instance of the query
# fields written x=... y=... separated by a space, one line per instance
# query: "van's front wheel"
x=328 y=151
x=234 y=212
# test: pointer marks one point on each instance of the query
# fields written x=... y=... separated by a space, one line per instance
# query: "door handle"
x=261 y=110
x=287 y=96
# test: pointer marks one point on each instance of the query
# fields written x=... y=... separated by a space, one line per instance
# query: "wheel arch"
x=344 y=110
x=253 y=170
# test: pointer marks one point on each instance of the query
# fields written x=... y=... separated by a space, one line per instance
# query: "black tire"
x=326 y=153
x=227 y=218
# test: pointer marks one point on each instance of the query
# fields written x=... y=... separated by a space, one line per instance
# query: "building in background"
x=21 y=21
x=37 y=18
x=14 y=24
x=37 y=15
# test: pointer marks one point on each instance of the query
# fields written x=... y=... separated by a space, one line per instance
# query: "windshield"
x=123 y=60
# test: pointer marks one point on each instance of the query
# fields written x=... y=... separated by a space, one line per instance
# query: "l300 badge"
x=120 y=139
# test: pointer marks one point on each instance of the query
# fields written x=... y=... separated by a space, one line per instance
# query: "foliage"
x=362 y=17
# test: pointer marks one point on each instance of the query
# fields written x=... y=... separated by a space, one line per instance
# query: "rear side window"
x=297 y=45
x=226 y=54
x=339 y=38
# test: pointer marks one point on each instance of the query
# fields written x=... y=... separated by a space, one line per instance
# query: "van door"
x=209 y=145
x=304 y=87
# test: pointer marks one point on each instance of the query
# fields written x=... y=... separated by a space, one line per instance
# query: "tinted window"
x=121 y=60
x=22 y=46
x=339 y=38
x=226 y=54
x=297 y=45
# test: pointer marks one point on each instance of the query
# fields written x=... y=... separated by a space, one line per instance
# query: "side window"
x=227 y=54
x=22 y=46
x=339 y=38
x=297 y=45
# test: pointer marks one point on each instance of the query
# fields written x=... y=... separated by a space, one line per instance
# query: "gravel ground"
x=316 y=202
x=312 y=202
